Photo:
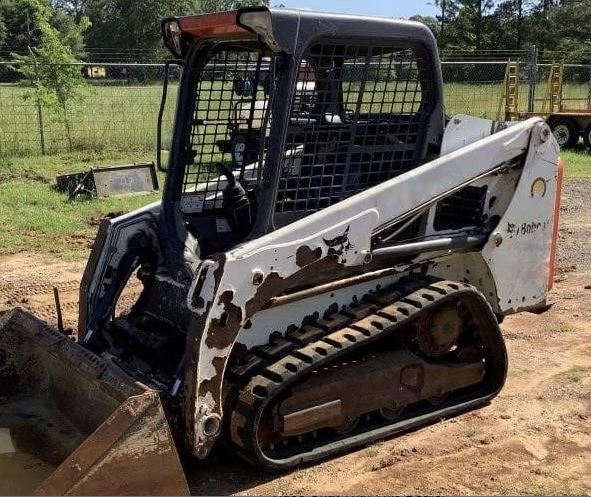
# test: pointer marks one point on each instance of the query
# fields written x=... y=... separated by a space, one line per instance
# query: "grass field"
x=103 y=118
x=577 y=164
x=111 y=118
x=36 y=217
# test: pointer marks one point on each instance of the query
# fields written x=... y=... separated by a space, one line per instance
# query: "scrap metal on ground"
x=110 y=181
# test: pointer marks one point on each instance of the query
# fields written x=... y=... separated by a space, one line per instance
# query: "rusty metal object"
x=125 y=180
x=102 y=431
x=438 y=333
x=110 y=181
x=306 y=419
x=390 y=380
x=58 y=309
x=330 y=287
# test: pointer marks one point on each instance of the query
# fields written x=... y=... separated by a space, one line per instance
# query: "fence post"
x=532 y=77
x=37 y=83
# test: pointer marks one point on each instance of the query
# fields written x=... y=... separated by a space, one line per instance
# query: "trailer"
x=569 y=118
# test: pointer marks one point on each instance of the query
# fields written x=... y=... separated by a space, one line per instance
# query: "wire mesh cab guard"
x=229 y=131
x=366 y=123
x=358 y=115
x=229 y=123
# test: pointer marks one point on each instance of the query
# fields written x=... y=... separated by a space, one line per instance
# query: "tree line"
x=552 y=25
x=467 y=25
x=112 y=24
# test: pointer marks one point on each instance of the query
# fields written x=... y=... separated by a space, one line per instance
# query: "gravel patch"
x=574 y=246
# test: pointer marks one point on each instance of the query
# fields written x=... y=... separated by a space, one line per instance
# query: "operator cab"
x=270 y=130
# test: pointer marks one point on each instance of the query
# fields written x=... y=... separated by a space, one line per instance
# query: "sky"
x=385 y=8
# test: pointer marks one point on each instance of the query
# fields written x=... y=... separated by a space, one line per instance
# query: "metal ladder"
x=511 y=91
x=554 y=92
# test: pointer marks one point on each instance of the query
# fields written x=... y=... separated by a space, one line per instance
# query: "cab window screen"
x=358 y=117
x=229 y=125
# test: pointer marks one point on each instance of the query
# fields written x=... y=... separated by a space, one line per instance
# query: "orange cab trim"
x=556 y=221
x=211 y=25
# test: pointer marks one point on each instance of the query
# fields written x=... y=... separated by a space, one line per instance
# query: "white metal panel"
x=281 y=317
x=463 y=130
x=352 y=221
x=518 y=254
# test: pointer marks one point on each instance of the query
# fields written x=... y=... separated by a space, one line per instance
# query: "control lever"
x=236 y=203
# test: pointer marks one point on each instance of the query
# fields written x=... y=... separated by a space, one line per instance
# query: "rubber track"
x=272 y=368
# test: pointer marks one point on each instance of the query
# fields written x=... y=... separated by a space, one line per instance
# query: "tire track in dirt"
x=10 y=291
x=38 y=297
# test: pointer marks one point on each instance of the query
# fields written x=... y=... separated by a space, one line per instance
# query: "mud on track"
x=535 y=438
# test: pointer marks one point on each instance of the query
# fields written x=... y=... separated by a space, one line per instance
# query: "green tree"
x=512 y=23
x=20 y=25
x=473 y=15
x=50 y=64
x=538 y=28
x=74 y=8
x=20 y=31
x=572 y=21
x=132 y=24
x=2 y=30
x=126 y=24
x=221 y=5
x=552 y=25
x=448 y=13
x=431 y=22
x=71 y=29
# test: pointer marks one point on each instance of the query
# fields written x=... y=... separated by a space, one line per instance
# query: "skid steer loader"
x=343 y=285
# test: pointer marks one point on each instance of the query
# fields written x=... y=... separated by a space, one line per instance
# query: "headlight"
x=171 y=33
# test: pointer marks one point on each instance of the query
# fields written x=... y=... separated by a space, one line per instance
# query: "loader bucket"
x=73 y=423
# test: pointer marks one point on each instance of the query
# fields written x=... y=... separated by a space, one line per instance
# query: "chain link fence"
x=117 y=109
x=475 y=88
x=478 y=87
x=576 y=87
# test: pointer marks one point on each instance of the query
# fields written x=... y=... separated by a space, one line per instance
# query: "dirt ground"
x=533 y=439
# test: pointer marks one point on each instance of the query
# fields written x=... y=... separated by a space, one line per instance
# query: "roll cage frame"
x=294 y=32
